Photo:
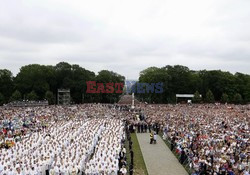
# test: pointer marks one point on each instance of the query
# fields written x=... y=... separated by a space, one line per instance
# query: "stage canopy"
x=184 y=95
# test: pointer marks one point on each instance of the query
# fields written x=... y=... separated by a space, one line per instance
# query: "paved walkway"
x=158 y=157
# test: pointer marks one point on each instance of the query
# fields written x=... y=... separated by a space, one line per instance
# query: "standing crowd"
x=90 y=139
x=210 y=139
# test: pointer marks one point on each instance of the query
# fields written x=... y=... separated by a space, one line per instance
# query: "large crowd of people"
x=212 y=139
x=75 y=140
x=89 y=139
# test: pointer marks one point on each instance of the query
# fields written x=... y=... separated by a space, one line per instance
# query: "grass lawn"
x=139 y=164
x=127 y=154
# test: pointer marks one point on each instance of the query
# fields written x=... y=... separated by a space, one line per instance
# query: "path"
x=158 y=158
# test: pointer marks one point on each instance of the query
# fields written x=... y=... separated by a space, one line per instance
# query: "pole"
x=133 y=100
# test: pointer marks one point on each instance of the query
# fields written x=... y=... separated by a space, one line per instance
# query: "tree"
x=16 y=96
x=209 y=97
x=35 y=77
x=237 y=98
x=1 y=99
x=40 y=78
x=246 y=94
x=154 y=75
x=176 y=79
x=105 y=76
x=78 y=84
x=50 y=97
x=179 y=81
x=242 y=84
x=63 y=75
x=6 y=84
x=224 y=98
x=32 y=96
x=74 y=77
x=197 y=97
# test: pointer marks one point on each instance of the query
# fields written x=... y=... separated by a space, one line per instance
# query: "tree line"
x=213 y=86
x=39 y=82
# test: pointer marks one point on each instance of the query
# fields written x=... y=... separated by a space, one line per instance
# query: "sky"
x=126 y=36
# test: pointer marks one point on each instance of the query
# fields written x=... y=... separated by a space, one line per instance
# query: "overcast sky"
x=126 y=36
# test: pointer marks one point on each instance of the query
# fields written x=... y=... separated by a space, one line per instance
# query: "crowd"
x=90 y=139
x=105 y=159
x=212 y=139
x=75 y=140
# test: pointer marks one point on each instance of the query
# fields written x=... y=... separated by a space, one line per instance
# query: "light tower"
x=63 y=96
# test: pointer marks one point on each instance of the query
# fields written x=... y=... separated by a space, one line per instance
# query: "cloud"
x=126 y=36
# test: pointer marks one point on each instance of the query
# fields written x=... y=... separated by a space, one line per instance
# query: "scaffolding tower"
x=63 y=96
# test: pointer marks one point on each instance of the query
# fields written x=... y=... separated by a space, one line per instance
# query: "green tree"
x=154 y=75
x=6 y=84
x=179 y=81
x=16 y=96
x=197 y=97
x=247 y=92
x=32 y=96
x=1 y=99
x=238 y=98
x=175 y=79
x=224 y=98
x=40 y=78
x=105 y=76
x=74 y=77
x=63 y=75
x=50 y=97
x=78 y=86
x=209 y=97
x=243 y=86
x=218 y=82
x=35 y=77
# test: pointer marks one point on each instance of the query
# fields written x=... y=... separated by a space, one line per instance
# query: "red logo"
x=93 y=87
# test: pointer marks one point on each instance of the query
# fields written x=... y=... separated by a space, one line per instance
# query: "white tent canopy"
x=184 y=95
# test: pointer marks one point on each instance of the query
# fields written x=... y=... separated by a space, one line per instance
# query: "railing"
x=186 y=163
